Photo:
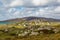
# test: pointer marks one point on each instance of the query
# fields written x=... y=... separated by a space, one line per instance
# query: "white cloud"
x=28 y=3
x=58 y=1
x=39 y=2
x=31 y=3
x=17 y=13
x=10 y=10
x=16 y=3
x=57 y=9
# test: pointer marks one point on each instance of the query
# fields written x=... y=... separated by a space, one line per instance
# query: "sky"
x=10 y=9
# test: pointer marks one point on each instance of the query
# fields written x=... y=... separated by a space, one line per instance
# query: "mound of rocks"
x=39 y=30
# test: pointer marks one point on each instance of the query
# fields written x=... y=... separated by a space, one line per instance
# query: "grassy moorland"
x=30 y=30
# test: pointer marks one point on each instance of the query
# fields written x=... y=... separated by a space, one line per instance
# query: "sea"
x=1 y=22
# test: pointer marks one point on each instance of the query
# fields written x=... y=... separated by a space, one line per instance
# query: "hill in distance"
x=32 y=18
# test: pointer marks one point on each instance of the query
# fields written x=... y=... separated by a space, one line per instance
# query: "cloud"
x=39 y=2
x=58 y=1
x=32 y=3
x=57 y=9
x=16 y=3
x=23 y=8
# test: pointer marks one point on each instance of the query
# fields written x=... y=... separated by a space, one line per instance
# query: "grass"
x=38 y=37
x=17 y=27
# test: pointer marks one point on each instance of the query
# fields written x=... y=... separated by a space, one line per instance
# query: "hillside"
x=33 y=18
x=30 y=28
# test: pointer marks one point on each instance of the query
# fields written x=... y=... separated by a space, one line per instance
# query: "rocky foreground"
x=29 y=31
x=38 y=30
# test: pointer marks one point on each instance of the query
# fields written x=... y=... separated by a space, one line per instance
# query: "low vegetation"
x=30 y=30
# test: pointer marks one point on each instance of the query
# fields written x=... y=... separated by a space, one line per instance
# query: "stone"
x=34 y=33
